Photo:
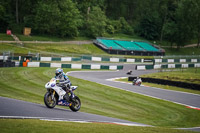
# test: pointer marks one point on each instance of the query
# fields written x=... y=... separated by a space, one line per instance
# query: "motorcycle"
x=137 y=81
x=55 y=96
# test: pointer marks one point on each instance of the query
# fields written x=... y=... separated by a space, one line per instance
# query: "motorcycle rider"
x=64 y=82
x=137 y=80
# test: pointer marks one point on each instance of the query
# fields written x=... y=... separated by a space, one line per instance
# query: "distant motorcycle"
x=137 y=81
x=54 y=96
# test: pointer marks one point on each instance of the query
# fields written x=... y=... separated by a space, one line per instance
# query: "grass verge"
x=49 y=38
x=62 y=50
x=39 y=126
x=28 y=84
x=5 y=37
x=190 y=75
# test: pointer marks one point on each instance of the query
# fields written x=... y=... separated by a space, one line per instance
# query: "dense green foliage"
x=175 y=21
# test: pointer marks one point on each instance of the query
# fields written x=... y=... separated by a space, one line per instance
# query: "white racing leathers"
x=63 y=81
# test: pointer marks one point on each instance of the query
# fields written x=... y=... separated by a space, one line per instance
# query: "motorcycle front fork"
x=53 y=94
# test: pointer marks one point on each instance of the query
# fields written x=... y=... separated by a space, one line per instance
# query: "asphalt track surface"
x=183 y=98
x=11 y=108
x=17 y=109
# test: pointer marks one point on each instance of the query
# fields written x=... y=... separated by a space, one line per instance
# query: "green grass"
x=49 y=38
x=39 y=126
x=61 y=49
x=182 y=51
x=67 y=48
x=15 y=49
x=28 y=84
x=125 y=37
x=5 y=37
x=190 y=75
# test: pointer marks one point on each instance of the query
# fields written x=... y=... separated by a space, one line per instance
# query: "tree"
x=184 y=31
x=96 y=22
x=149 y=26
x=191 y=9
x=57 y=17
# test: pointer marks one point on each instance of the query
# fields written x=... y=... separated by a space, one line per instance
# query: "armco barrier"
x=191 y=60
x=73 y=66
x=169 y=82
x=98 y=59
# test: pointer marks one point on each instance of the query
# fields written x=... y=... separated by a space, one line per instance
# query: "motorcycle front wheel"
x=76 y=104
x=49 y=101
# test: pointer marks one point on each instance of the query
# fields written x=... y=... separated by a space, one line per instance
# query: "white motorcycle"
x=137 y=81
x=55 y=96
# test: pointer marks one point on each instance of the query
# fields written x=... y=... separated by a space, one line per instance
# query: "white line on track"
x=73 y=120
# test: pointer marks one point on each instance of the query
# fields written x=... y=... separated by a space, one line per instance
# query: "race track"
x=183 y=98
x=11 y=108
x=17 y=109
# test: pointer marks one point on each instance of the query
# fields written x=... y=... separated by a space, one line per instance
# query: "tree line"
x=175 y=21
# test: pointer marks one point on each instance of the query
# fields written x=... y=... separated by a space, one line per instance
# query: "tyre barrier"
x=170 y=83
x=7 y=63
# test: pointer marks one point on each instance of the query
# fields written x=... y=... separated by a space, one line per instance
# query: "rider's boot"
x=67 y=99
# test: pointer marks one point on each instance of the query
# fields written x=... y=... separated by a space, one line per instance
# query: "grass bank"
x=39 y=126
x=61 y=49
x=190 y=75
x=5 y=37
x=182 y=51
x=28 y=84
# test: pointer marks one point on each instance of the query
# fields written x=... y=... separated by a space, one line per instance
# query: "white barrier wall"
x=170 y=60
x=158 y=60
x=96 y=58
x=130 y=60
x=16 y=63
x=114 y=59
x=45 y=59
x=171 y=65
x=4 y=57
x=141 y=68
x=33 y=64
x=184 y=65
x=95 y=67
x=157 y=66
x=76 y=66
x=57 y=65
x=193 y=60
x=66 y=58
x=197 y=65
x=182 y=60
x=112 y=67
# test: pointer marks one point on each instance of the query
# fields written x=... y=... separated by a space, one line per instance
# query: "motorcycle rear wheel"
x=76 y=104
x=49 y=102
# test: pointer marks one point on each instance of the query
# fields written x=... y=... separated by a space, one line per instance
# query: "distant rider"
x=137 y=80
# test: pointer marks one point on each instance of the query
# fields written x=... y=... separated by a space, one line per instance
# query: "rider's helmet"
x=59 y=71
